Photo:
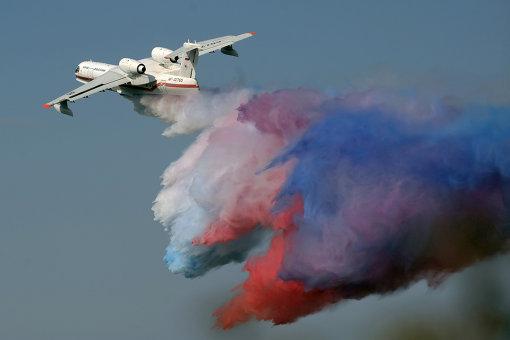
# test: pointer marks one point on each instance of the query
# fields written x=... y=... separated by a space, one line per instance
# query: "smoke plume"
x=361 y=193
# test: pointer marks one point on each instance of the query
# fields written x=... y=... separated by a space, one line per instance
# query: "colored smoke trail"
x=363 y=193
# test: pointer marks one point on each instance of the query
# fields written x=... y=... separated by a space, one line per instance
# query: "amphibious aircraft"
x=165 y=72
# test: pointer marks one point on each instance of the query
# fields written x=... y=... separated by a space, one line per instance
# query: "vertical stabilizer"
x=188 y=63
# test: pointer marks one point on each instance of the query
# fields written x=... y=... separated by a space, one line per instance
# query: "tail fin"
x=188 y=63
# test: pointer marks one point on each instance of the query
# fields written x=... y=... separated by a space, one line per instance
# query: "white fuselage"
x=165 y=78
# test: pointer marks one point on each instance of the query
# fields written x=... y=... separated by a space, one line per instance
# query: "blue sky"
x=79 y=252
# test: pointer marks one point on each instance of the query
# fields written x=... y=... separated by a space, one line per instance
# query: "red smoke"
x=264 y=295
x=267 y=297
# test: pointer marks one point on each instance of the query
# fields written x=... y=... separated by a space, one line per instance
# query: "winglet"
x=46 y=106
x=252 y=33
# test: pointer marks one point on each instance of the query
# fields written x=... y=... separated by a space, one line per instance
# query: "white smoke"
x=180 y=206
x=190 y=113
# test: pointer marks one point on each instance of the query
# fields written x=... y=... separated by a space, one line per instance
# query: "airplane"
x=165 y=72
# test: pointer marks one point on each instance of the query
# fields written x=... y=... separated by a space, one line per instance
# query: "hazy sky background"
x=81 y=257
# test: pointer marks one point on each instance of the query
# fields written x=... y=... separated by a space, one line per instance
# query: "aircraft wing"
x=108 y=80
x=211 y=45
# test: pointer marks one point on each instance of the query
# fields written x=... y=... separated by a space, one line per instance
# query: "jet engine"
x=158 y=54
x=131 y=66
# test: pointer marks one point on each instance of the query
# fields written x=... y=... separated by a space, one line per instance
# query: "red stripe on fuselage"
x=185 y=86
x=182 y=86
x=84 y=78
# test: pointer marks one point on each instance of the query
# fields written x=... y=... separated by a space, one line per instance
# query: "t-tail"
x=189 y=60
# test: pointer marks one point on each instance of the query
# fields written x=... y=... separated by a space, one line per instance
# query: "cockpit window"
x=77 y=69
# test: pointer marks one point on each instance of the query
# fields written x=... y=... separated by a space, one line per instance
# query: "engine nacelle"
x=158 y=54
x=131 y=66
